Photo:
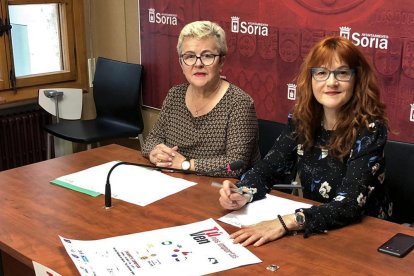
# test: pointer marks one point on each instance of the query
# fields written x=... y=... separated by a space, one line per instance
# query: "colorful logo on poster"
x=202 y=236
x=365 y=40
x=161 y=18
x=252 y=28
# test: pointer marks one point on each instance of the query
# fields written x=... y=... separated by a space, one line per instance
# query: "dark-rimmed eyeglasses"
x=322 y=74
x=191 y=59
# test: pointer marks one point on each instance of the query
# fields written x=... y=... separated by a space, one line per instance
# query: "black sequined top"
x=347 y=189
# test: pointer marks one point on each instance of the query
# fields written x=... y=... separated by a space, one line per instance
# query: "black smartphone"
x=398 y=245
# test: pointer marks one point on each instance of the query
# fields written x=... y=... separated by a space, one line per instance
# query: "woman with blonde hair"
x=208 y=122
x=333 y=144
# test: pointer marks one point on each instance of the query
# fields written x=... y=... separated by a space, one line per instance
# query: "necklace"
x=198 y=109
x=326 y=126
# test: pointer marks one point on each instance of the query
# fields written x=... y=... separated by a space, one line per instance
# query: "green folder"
x=75 y=188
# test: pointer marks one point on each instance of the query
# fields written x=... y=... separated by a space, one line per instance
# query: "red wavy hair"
x=363 y=108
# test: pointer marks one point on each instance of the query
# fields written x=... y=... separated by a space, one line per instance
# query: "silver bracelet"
x=248 y=196
x=244 y=190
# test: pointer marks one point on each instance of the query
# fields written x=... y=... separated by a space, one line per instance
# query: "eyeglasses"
x=191 y=59
x=322 y=74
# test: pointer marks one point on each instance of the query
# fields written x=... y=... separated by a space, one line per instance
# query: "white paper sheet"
x=193 y=249
x=41 y=270
x=133 y=184
x=260 y=210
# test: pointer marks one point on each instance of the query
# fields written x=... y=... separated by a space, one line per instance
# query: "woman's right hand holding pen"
x=229 y=198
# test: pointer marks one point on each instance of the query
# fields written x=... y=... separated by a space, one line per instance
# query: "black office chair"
x=399 y=168
x=268 y=133
x=117 y=95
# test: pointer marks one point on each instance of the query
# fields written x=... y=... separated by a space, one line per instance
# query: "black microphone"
x=230 y=167
x=236 y=165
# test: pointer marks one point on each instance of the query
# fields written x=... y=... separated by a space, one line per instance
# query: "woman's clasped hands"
x=164 y=156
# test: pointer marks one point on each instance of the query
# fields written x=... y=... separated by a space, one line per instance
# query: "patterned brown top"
x=228 y=133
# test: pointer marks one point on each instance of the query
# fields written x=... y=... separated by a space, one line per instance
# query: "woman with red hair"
x=333 y=145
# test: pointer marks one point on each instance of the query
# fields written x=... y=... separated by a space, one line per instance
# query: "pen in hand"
x=287 y=186
x=234 y=190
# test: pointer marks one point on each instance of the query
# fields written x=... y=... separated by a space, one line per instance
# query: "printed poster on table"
x=193 y=249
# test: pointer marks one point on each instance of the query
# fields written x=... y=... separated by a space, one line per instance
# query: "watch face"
x=300 y=219
x=185 y=165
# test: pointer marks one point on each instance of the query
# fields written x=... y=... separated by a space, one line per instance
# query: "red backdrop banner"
x=268 y=40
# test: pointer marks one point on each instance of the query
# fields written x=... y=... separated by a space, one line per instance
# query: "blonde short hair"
x=203 y=29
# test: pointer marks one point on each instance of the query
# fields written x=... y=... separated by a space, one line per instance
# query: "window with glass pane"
x=36 y=39
x=41 y=50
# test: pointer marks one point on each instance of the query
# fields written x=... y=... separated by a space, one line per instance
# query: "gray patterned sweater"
x=229 y=132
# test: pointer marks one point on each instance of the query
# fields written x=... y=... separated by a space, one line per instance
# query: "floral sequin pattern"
x=346 y=188
x=381 y=178
x=361 y=199
x=300 y=149
x=340 y=197
x=325 y=189
x=370 y=189
x=375 y=168
x=324 y=153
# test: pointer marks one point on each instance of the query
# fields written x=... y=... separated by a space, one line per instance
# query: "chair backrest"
x=399 y=168
x=69 y=104
x=268 y=133
x=117 y=91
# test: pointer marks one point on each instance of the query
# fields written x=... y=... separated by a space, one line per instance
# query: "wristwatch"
x=248 y=197
x=185 y=165
x=300 y=219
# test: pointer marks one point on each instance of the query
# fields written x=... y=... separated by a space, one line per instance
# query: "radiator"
x=22 y=138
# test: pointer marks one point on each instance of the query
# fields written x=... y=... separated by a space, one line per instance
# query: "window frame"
x=4 y=48
x=74 y=73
